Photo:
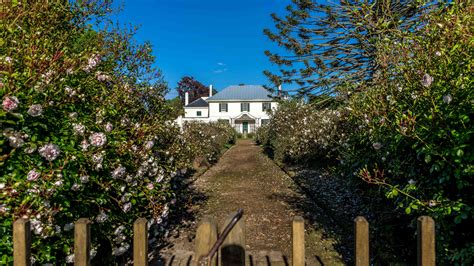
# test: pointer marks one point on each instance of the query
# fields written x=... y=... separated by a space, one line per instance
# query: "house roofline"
x=240 y=100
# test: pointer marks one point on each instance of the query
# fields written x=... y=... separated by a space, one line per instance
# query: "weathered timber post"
x=82 y=242
x=140 y=242
x=233 y=248
x=21 y=242
x=298 y=241
x=206 y=236
x=361 y=252
x=426 y=241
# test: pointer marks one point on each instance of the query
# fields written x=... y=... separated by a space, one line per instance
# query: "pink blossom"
x=49 y=151
x=150 y=186
x=33 y=175
x=84 y=145
x=10 y=103
x=98 y=139
x=108 y=127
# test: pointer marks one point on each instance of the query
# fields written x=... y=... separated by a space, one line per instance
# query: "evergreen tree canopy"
x=333 y=44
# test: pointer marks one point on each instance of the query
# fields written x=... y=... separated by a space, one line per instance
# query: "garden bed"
x=392 y=237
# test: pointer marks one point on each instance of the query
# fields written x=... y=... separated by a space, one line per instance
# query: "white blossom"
x=108 y=127
x=70 y=258
x=427 y=80
x=68 y=227
x=98 y=139
x=102 y=217
x=49 y=151
x=70 y=91
x=149 y=144
x=447 y=99
x=127 y=207
x=84 y=179
x=118 y=172
x=377 y=145
x=84 y=145
x=76 y=187
x=35 y=110
x=78 y=129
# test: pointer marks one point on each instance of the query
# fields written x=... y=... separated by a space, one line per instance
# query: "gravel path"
x=246 y=178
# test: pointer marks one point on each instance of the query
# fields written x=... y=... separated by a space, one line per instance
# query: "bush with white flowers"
x=206 y=141
x=409 y=129
x=86 y=131
x=299 y=133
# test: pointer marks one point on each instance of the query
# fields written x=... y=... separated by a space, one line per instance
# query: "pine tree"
x=334 y=44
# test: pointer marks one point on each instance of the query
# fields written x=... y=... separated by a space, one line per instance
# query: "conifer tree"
x=332 y=44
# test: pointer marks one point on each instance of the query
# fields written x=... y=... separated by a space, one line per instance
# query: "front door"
x=245 y=127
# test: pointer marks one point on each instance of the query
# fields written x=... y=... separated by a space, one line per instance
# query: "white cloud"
x=218 y=71
x=221 y=64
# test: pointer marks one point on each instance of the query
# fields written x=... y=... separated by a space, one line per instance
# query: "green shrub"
x=207 y=140
x=300 y=133
x=86 y=131
x=416 y=125
x=410 y=133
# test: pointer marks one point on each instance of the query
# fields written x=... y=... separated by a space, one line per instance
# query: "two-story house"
x=244 y=107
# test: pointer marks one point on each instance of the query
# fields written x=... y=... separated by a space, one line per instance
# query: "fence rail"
x=232 y=252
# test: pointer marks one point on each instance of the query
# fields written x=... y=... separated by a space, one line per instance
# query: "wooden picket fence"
x=232 y=250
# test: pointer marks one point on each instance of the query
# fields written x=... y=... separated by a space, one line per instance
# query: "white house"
x=244 y=107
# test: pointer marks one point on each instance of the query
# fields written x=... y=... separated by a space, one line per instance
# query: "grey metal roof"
x=198 y=103
x=242 y=93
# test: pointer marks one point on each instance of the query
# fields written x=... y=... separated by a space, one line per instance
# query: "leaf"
x=408 y=210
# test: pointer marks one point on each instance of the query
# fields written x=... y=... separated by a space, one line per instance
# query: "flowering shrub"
x=206 y=141
x=299 y=132
x=411 y=133
x=86 y=131
x=417 y=125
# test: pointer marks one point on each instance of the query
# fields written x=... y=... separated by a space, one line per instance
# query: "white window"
x=223 y=107
x=198 y=113
x=266 y=106
x=245 y=107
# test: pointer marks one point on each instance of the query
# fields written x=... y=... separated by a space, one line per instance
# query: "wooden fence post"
x=82 y=242
x=233 y=248
x=426 y=241
x=21 y=242
x=140 y=242
x=206 y=236
x=298 y=241
x=361 y=252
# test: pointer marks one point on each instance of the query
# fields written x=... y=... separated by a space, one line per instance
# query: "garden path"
x=246 y=178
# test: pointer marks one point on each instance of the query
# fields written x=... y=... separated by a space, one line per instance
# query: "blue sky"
x=219 y=42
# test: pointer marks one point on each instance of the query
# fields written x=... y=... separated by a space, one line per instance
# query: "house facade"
x=244 y=107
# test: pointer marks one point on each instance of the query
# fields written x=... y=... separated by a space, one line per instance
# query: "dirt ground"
x=246 y=178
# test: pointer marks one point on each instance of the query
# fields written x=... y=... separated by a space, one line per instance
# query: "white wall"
x=233 y=110
x=191 y=111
